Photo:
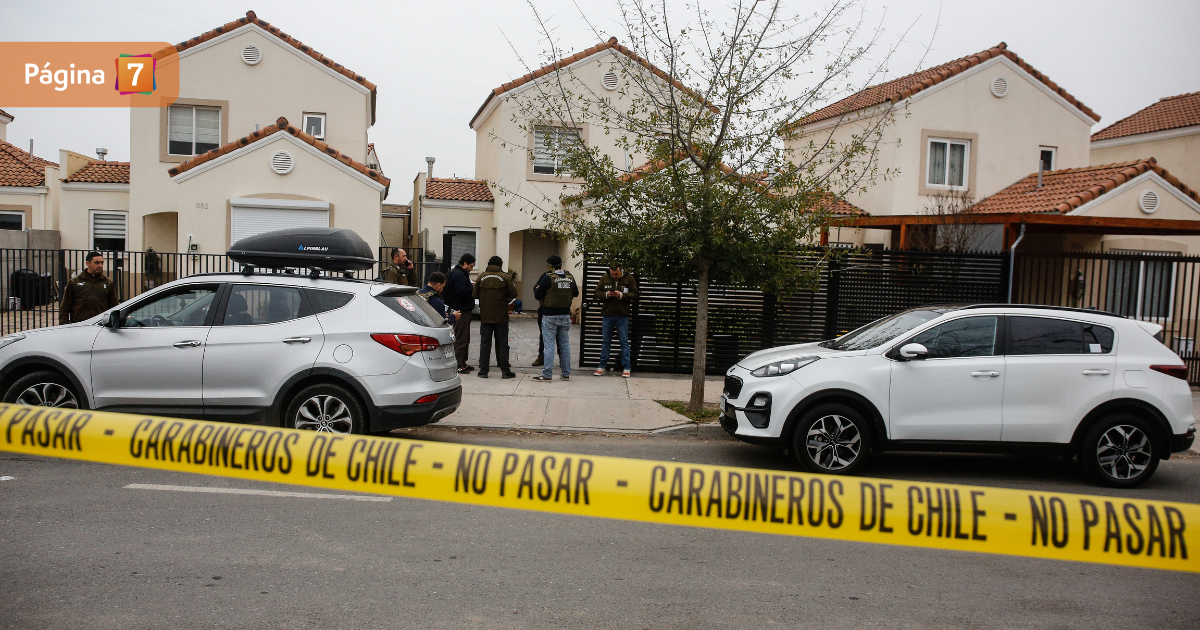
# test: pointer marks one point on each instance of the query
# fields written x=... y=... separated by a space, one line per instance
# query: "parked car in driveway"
x=982 y=378
x=312 y=351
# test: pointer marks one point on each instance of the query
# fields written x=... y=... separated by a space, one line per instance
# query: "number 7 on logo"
x=129 y=74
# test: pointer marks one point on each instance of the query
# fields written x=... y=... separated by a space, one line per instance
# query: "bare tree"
x=954 y=232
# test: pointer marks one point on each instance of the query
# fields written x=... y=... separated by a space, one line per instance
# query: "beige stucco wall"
x=1179 y=155
x=501 y=158
x=203 y=201
x=1007 y=134
x=438 y=218
x=282 y=84
x=34 y=204
x=74 y=208
x=1124 y=203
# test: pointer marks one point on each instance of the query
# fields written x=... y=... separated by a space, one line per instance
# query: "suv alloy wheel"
x=326 y=408
x=43 y=388
x=1120 y=451
x=831 y=439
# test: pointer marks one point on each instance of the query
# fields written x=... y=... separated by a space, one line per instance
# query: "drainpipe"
x=1012 y=259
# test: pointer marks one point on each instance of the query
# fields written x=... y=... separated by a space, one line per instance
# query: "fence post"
x=678 y=317
x=831 y=298
x=1010 y=279
x=583 y=309
x=768 y=320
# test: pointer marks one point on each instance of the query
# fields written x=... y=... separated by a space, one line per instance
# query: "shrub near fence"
x=855 y=290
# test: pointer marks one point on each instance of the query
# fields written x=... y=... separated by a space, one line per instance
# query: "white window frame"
x=966 y=163
x=558 y=155
x=193 y=108
x=16 y=213
x=1053 y=157
x=324 y=129
x=92 y=227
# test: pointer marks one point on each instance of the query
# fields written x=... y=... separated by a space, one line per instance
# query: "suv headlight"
x=783 y=366
x=10 y=339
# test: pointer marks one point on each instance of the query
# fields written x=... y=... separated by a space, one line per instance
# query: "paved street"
x=79 y=548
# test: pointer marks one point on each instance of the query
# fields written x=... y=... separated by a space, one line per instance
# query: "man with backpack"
x=556 y=290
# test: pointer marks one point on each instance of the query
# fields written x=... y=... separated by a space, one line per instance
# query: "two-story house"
x=266 y=133
x=972 y=136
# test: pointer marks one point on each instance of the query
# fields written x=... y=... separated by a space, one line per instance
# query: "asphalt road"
x=79 y=549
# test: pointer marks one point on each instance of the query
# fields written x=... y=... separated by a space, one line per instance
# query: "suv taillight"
x=407 y=345
x=1178 y=371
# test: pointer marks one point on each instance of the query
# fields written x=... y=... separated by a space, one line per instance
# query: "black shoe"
x=538 y=363
x=482 y=375
x=509 y=374
x=466 y=370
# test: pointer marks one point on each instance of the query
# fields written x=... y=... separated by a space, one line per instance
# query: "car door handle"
x=187 y=344
x=1096 y=372
x=297 y=340
x=985 y=373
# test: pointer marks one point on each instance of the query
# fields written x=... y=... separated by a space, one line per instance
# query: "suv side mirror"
x=914 y=351
x=114 y=320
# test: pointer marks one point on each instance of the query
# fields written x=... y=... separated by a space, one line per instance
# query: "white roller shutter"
x=251 y=221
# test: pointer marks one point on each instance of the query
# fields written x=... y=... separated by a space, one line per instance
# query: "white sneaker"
x=625 y=374
x=599 y=372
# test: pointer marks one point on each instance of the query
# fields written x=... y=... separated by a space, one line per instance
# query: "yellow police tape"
x=1124 y=531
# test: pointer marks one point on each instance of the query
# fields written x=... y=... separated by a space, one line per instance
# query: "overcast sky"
x=435 y=62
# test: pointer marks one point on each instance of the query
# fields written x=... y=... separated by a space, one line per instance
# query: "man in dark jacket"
x=556 y=290
x=88 y=294
x=495 y=289
x=432 y=292
x=616 y=291
x=457 y=295
x=402 y=271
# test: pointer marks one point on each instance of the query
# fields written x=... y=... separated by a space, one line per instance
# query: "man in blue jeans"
x=556 y=289
x=616 y=292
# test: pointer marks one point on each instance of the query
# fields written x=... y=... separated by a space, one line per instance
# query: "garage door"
x=252 y=221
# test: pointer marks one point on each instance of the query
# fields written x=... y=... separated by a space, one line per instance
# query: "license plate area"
x=448 y=352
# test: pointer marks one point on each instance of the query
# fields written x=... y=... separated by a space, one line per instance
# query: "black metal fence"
x=1159 y=288
x=32 y=280
x=857 y=289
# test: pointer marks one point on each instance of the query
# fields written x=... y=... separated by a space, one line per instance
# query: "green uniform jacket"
x=86 y=296
x=400 y=275
x=616 y=306
x=494 y=289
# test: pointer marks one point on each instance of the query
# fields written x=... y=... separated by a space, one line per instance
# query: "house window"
x=550 y=146
x=314 y=125
x=193 y=130
x=1142 y=289
x=12 y=221
x=948 y=163
x=456 y=242
x=108 y=231
x=1046 y=157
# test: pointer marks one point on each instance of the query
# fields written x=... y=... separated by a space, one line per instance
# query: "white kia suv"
x=983 y=378
x=309 y=352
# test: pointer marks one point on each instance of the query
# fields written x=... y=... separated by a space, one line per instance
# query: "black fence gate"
x=855 y=290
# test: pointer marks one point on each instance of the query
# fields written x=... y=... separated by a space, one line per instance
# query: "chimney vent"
x=101 y=152
x=429 y=173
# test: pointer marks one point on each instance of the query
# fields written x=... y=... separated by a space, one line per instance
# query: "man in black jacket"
x=458 y=297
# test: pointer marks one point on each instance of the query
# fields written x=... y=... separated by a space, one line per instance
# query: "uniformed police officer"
x=88 y=294
x=556 y=290
x=402 y=270
x=494 y=289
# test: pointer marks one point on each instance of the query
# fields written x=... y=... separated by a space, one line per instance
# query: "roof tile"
x=1171 y=112
x=101 y=172
x=281 y=124
x=458 y=189
x=906 y=86
x=19 y=168
x=1065 y=190
x=7 y=115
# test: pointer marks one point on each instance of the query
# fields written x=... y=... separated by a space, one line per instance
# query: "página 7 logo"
x=62 y=77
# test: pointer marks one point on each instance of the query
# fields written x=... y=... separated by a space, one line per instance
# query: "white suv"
x=984 y=378
x=321 y=353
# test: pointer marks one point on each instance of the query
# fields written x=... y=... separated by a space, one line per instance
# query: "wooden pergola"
x=900 y=225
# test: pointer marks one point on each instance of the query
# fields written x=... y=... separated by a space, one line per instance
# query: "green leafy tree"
x=694 y=171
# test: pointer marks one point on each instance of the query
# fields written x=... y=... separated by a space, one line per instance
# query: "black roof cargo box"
x=332 y=249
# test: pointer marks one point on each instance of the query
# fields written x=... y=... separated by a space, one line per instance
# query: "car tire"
x=326 y=408
x=1121 y=450
x=44 y=388
x=831 y=439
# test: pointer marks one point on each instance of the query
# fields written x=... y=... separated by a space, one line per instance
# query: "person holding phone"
x=616 y=291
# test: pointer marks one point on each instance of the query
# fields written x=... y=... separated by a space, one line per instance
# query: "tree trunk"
x=699 y=358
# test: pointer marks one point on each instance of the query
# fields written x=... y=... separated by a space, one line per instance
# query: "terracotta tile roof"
x=904 y=87
x=99 y=172
x=1065 y=190
x=840 y=206
x=281 y=125
x=458 y=189
x=583 y=54
x=274 y=30
x=19 y=168
x=7 y=115
x=1171 y=112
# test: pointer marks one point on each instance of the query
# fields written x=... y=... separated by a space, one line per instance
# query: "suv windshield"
x=884 y=330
